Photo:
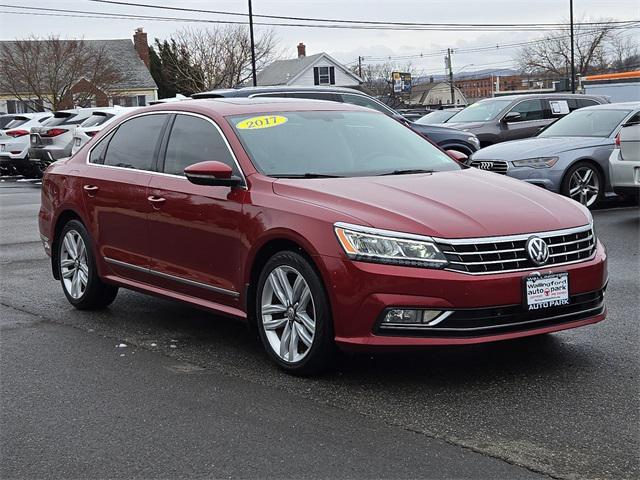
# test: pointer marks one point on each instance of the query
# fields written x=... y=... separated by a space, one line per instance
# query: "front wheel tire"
x=584 y=184
x=293 y=315
x=77 y=270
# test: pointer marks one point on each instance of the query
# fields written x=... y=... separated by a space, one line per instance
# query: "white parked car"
x=94 y=123
x=624 y=162
x=14 y=142
x=53 y=140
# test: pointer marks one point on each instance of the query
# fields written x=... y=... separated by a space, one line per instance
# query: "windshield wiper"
x=308 y=175
x=407 y=171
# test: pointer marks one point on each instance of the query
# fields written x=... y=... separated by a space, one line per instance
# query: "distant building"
x=435 y=94
x=620 y=87
x=487 y=86
x=304 y=71
x=137 y=87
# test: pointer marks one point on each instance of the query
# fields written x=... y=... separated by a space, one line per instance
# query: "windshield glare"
x=335 y=143
x=480 y=111
x=586 y=123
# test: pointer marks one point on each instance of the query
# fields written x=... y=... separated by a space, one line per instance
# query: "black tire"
x=96 y=293
x=322 y=352
x=566 y=181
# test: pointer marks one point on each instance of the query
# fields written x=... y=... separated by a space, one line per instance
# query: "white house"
x=304 y=71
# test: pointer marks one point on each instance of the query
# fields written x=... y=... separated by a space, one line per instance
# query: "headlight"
x=384 y=246
x=474 y=140
x=540 y=162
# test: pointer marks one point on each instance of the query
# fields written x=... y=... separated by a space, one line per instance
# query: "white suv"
x=624 y=162
x=94 y=123
x=54 y=139
x=14 y=142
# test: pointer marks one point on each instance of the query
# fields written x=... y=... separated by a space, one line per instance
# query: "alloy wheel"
x=288 y=314
x=74 y=267
x=584 y=186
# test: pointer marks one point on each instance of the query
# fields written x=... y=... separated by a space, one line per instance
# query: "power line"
x=94 y=14
x=365 y=22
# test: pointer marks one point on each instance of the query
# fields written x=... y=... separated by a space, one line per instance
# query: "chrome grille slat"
x=497 y=166
x=477 y=256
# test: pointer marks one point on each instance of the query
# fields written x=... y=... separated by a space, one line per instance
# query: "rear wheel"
x=583 y=183
x=293 y=315
x=77 y=270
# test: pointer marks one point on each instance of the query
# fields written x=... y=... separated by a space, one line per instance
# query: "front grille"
x=495 y=320
x=497 y=166
x=501 y=254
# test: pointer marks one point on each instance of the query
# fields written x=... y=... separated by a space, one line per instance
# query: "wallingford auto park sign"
x=401 y=83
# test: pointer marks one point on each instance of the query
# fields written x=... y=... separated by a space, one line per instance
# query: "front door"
x=531 y=120
x=115 y=190
x=195 y=230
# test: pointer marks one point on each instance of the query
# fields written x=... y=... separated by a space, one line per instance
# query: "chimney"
x=141 y=45
x=302 y=50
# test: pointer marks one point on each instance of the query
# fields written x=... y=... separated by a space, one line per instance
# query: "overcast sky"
x=346 y=45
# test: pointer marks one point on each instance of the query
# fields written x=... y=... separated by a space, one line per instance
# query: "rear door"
x=532 y=118
x=195 y=230
x=115 y=193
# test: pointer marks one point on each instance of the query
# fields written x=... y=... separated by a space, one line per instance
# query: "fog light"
x=410 y=316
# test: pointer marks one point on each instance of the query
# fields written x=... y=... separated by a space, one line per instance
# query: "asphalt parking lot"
x=154 y=389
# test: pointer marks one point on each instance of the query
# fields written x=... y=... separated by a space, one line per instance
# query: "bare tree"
x=51 y=71
x=217 y=57
x=595 y=49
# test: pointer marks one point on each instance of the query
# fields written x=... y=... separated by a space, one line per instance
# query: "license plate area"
x=546 y=291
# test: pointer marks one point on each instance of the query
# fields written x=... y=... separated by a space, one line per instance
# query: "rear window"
x=96 y=119
x=16 y=122
x=61 y=118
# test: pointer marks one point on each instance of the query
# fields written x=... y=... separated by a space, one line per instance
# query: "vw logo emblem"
x=485 y=165
x=537 y=250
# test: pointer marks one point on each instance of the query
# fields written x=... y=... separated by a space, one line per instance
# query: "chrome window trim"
x=164 y=112
x=185 y=281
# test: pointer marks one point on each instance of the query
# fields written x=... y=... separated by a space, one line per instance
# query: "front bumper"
x=548 y=178
x=361 y=292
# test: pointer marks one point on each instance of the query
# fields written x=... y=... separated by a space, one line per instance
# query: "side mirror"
x=456 y=155
x=212 y=173
x=512 y=117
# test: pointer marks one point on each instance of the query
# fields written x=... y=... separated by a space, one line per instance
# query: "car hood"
x=456 y=204
x=537 y=147
x=461 y=125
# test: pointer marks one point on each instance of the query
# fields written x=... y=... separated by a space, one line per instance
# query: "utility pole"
x=449 y=64
x=360 y=66
x=573 y=63
x=253 y=46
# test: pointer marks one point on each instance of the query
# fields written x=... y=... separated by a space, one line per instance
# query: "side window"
x=331 y=97
x=586 y=102
x=194 y=140
x=134 y=143
x=529 y=110
x=363 y=102
x=97 y=154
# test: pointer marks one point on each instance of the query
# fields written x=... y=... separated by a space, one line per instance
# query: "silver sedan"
x=571 y=156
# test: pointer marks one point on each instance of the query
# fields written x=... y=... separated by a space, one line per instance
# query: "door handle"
x=156 y=201
x=90 y=189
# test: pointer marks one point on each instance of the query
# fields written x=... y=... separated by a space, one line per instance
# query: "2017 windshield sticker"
x=263 y=121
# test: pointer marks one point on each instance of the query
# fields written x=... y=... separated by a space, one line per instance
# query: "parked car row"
x=30 y=142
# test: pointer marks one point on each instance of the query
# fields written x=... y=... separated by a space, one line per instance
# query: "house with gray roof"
x=304 y=71
x=134 y=85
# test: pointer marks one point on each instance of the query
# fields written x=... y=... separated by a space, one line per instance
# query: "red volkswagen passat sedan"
x=322 y=224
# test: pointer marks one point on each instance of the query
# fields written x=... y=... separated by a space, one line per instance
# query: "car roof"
x=614 y=106
x=558 y=95
x=248 y=91
x=243 y=106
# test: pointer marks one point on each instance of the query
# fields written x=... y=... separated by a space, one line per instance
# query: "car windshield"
x=586 y=123
x=439 y=116
x=350 y=144
x=480 y=111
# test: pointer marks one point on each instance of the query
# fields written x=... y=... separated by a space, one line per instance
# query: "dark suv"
x=445 y=137
x=512 y=117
